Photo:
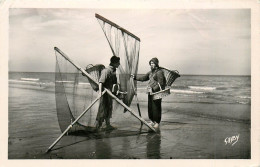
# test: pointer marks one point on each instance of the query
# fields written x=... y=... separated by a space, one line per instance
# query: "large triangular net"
x=125 y=45
x=73 y=95
x=74 y=92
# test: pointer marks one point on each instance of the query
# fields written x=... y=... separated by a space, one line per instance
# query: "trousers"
x=154 y=109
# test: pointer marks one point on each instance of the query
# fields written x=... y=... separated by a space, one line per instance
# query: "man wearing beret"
x=156 y=80
x=107 y=79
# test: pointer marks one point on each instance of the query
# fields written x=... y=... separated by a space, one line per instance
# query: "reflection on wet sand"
x=125 y=147
x=128 y=145
x=103 y=149
x=153 y=148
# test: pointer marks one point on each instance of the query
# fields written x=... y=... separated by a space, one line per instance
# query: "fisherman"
x=155 y=77
x=107 y=80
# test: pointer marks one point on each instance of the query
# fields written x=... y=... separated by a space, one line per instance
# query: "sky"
x=194 y=41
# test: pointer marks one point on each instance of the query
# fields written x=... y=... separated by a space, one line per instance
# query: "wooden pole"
x=77 y=66
x=131 y=111
x=76 y=120
x=117 y=26
x=137 y=101
x=108 y=91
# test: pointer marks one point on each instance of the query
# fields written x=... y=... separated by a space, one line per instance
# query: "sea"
x=211 y=89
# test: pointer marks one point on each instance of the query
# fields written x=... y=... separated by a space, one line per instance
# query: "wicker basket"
x=170 y=77
x=95 y=72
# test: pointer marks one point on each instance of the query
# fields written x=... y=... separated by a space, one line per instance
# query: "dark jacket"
x=154 y=78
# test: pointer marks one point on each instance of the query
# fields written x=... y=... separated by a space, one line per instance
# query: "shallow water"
x=187 y=88
x=185 y=132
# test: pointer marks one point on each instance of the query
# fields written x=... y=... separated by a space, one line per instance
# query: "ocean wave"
x=243 y=102
x=20 y=81
x=244 y=97
x=202 y=87
x=30 y=79
x=65 y=81
x=177 y=91
x=34 y=82
x=185 y=91
x=17 y=83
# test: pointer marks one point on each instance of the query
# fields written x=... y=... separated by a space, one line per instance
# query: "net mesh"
x=73 y=95
x=127 y=47
x=74 y=92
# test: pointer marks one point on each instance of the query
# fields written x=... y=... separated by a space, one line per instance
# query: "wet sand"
x=188 y=131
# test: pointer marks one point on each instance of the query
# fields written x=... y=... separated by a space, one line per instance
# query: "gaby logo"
x=231 y=140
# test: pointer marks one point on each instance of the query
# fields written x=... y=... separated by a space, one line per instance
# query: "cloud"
x=191 y=39
x=36 y=24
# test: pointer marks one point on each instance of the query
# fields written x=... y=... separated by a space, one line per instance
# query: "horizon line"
x=144 y=73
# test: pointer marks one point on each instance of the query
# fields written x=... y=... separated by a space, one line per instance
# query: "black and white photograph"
x=130 y=83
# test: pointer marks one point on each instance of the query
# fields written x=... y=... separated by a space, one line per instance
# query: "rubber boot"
x=98 y=125
x=108 y=125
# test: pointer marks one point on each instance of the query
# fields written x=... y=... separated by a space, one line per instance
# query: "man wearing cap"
x=107 y=80
x=156 y=80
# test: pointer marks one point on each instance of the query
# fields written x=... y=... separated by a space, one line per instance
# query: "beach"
x=187 y=131
x=207 y=114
